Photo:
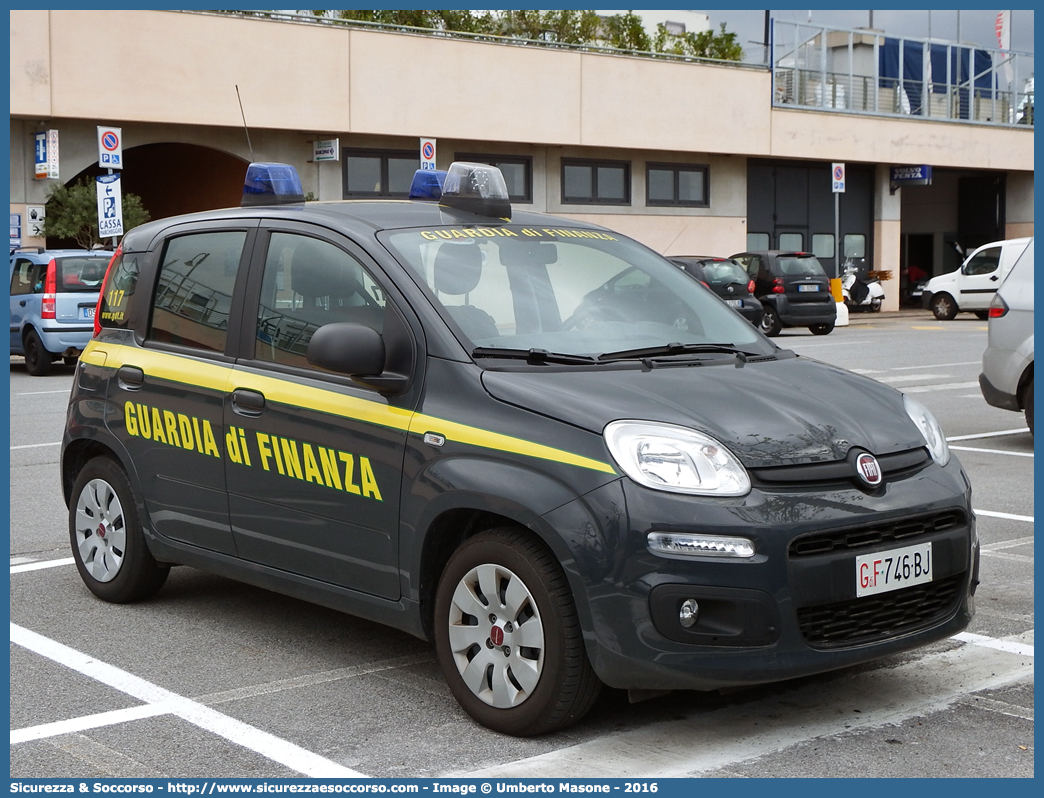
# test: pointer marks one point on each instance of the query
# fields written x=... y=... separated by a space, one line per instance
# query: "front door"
x=314 y=465
x=979 y=279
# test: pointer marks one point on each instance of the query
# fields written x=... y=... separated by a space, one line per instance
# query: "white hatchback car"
x=973 y=286
x=1007 y=364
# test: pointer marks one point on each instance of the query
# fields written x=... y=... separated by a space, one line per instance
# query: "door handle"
x=22 y=303
x=248 y=403
x=994 y=278
x=130 y=378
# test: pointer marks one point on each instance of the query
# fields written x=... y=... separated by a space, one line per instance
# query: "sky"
x=976 y=27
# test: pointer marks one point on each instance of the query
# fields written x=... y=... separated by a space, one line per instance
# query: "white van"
x=972 y=287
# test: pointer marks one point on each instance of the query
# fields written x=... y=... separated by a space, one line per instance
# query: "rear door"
x=804 y=281
x=314 y=465
x=170 y=389
x=78 y=279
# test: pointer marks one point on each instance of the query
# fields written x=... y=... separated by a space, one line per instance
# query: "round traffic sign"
x=839 y=173
x=428 y=150
x=110 y=141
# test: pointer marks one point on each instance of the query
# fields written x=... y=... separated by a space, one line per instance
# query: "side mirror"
x=358 y=351
x=347 y=348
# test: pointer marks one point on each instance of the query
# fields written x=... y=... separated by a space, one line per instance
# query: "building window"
x=757 y=242
x=791 y=242
x=676 y=184
x=855 y=246
x=823 y=245
x=596 y=182
x=379 y=173
x=517 y=171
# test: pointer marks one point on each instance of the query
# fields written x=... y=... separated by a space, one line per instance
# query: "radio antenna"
x=245 y=128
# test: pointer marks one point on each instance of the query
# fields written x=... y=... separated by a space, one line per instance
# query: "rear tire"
x=107 y=542
x=37 y=358
x=770 y=323
x=943 y=306
x=508 y=637
x=822 y=329
x=70 y=361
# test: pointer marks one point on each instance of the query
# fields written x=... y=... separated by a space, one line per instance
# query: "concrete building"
x=687 y=157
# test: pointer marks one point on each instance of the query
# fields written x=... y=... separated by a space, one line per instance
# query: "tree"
x=72 y=212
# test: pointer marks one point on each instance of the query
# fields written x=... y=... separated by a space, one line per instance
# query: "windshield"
x=800 y=264
x=569 y=291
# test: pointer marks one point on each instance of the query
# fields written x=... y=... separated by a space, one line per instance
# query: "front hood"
x=773 y=413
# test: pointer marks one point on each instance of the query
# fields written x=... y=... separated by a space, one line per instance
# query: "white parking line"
x=997 y=434
x=945 y=386
x=991 y=451
x=35 y=445
x=1009 y=516
x=261 y=742
x=87 y=722
x=937 y=365
x=909 y=377
x=39 y=566
x=707 y=742
x=40 y=393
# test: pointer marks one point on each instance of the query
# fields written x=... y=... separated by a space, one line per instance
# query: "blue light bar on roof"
x=427 y=184
x=271 y=184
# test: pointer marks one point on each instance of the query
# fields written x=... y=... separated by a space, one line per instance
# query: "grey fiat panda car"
x=530 y=440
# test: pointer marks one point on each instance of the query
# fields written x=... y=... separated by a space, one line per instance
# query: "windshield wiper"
x=672 y=349
x=534 y=356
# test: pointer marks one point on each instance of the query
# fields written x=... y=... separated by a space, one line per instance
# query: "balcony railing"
x=868 y=72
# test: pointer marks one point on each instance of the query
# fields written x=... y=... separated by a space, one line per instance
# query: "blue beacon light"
x=271 y=184
x=427 y=184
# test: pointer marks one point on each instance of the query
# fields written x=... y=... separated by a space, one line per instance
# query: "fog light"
x=688 y=613
x=700 y=545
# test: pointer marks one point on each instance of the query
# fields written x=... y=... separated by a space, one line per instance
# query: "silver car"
x=1007 y=364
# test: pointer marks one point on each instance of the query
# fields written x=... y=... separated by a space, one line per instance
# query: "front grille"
x=873 y=618
x=906 y=529
x=836 y=473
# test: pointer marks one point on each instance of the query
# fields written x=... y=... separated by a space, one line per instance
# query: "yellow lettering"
x=443 y=234
x=293 y=464
x=311 y=468
x=143 y=421
x=472 y=233
x=349 y=467
x=171 y=423
x=277 y=455
x=262 y=447
x=330 y=473
x=369 y=482
x=209 y=444
x=428 y=235
x=157 y=426
x=186 y=431
x=486 y=232
x=130 y=419
x=458 y=234
x=531 y=233
x=199 y=438
x=246 y=450
x=505 y=232
x=231 y=444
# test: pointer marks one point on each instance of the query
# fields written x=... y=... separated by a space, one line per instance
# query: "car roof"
x=364 y=217
x=47 y=254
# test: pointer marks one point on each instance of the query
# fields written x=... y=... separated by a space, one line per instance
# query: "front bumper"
x=789 y=611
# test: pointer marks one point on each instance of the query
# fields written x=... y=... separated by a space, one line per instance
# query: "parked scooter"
x=860 y=294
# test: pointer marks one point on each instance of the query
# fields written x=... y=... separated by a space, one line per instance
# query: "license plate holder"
x=734 y=303
x=894 y=569
x=805 y=287
x=87 y=312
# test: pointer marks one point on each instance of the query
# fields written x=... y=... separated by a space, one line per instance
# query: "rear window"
x=123 y=279
x=724 y=272
x=801 y=264
x=80 y=274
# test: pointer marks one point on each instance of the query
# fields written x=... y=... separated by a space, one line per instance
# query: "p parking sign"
x=110 y=206
x=837 y=175
x=110 y=147
x=427 y=154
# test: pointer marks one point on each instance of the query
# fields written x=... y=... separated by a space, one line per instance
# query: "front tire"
x=943 y=306
x=508 y=637
x=107 y=542
x=822 y=329
x=770 y=323
x=1028 y=399
x=37 y=358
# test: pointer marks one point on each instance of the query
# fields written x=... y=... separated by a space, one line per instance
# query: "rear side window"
x=194 y=289
x=25 y=276
x=123 y=279
x=80 y=275
x=805 y=265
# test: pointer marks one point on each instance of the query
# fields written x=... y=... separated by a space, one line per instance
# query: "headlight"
x=930 y=429
x=676 y=459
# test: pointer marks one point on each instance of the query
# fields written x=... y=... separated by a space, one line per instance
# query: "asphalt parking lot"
x=214 y=678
